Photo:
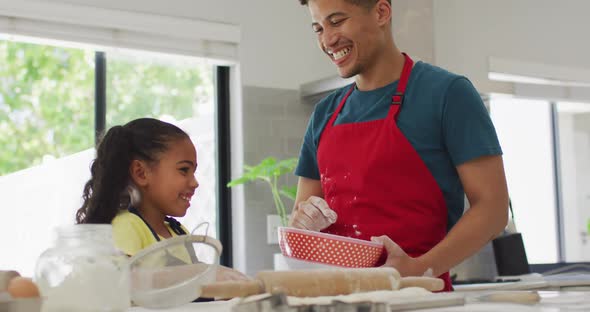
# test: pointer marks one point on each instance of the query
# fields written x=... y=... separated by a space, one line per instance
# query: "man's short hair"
x=362 y=3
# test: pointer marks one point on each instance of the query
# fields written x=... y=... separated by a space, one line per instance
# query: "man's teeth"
x=340 y=54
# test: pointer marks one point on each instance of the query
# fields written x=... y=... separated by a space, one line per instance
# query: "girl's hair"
x=109 y=187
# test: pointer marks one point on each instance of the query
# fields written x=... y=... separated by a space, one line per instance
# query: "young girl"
x=143 y=173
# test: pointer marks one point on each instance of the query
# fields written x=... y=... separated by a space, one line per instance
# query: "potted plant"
x=270 y=170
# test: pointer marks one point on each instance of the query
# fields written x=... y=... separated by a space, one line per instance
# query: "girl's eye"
x=184 y=169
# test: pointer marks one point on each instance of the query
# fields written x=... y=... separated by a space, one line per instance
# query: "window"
x=547 y=161
x=175 y=89
x=47 y=119
x=573 y=120
x=525 y=132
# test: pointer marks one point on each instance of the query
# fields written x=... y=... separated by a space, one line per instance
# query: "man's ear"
x=383 y=11
x=139 y=172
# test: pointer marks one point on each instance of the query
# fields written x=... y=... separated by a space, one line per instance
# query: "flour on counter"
x=381 y=296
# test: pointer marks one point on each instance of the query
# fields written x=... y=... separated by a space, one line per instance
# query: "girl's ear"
x=139 y=172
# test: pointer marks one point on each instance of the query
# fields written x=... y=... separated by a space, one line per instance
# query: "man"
x=391 y=157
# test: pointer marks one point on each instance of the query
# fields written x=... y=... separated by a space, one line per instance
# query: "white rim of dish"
x=208 y=240
x=332 y=236
x=324 y=265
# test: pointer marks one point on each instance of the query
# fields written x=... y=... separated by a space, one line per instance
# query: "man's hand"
x=314 y=214
x=399 y=259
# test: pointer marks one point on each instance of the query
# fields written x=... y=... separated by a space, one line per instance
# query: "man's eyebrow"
x=335 y=14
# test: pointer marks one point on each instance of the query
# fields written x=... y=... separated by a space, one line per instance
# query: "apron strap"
x=397 y=99
x=174 y=224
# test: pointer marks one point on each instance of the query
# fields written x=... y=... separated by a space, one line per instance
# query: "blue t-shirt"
x=442 y=116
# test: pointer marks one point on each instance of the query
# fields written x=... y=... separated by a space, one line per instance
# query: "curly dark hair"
x=364 y=3
x=106 y=191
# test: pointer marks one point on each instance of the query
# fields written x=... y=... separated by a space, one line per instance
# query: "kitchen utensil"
x=313 y=283
x=83 y=270
x=520 y=297
x=171 y=272
x=329 y=249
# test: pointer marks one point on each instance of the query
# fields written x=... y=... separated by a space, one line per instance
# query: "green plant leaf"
x=289 y=191
x=269 y=170
x=238 y=181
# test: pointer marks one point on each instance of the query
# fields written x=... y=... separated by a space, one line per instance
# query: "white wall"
x=277 y=36
x=278 y=47
x=548 y=32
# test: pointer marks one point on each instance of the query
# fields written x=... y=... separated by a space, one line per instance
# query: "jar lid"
x=172 y=272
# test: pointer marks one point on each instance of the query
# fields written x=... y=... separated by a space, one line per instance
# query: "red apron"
x=378 y=184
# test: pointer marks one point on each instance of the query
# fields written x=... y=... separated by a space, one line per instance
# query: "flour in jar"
x=93 y=284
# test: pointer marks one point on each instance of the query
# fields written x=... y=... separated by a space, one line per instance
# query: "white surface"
x=218 y=306
x=564 y=281
x=550 y=302
x=190 y=29
x=542 y=73
x=122 y=29
x=283 y=263
x=524 y=285
x=272 y=229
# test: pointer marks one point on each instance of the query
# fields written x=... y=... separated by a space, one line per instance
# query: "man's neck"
x=385 y=70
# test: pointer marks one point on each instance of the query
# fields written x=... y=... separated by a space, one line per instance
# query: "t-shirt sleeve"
x=467 y=127
x=127 y=234
x=308 y=162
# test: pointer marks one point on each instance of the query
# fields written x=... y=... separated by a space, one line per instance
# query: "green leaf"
x=289 y=191
x=238 y=181
x=269 y=170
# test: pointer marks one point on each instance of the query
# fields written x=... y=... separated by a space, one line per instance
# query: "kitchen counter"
x=551 y=301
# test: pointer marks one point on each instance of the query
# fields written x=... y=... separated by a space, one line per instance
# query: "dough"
x=381 y=296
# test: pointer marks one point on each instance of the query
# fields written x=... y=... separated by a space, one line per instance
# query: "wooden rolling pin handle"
x=428 y=283
x=232 y=289
x=521 y=297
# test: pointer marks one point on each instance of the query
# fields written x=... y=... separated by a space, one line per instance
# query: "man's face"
x=347 y=33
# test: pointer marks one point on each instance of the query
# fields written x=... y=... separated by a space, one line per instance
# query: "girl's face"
x=172 y=182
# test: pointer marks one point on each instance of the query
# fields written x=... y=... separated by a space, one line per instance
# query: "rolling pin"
x=314 y=283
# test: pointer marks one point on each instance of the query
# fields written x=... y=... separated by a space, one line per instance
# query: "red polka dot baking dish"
x=328 y=248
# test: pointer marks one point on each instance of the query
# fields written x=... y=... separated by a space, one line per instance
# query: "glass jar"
x=83 y=271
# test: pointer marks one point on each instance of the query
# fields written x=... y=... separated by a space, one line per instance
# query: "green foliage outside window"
x=46 y=103
x=47 y=98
